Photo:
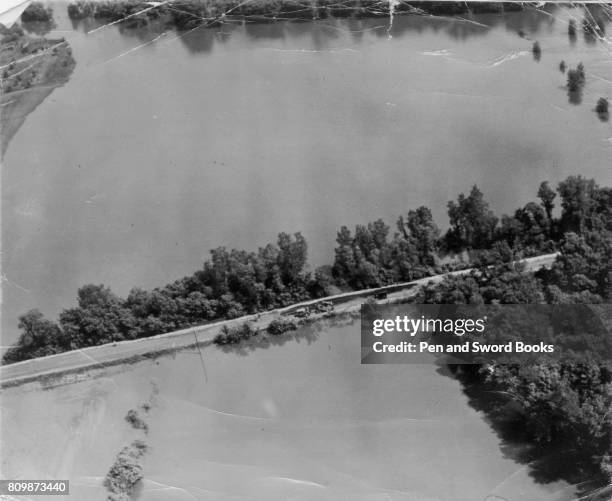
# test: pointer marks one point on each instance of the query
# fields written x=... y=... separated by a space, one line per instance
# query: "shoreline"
x=131 y=351
x=190 y=14
x=32 y=68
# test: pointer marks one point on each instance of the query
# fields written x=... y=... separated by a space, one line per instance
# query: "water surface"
x=159 y=149
x=301 y=419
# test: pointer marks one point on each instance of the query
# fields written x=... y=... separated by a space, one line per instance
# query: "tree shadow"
x=548 y=463
x=574 y=97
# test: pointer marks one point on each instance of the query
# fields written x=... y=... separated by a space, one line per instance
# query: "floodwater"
x=161 y=147
x=300 y=419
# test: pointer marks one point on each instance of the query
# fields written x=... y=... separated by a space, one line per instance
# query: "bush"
x=136 y=421
x=602 y=106
x=280 y=326
x=126 y=471
x=537 y=51
x=576 y=79
x=234 y=335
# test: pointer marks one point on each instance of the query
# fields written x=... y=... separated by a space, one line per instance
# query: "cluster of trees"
x=576 y=79
x=235 y=335
x=126 y=472
x=188 y=14
x=233 y=283
x=602 y=109
x=37 y=11
x=280 y=326
x=229 y=285
x=368 y=258
x=563 y=405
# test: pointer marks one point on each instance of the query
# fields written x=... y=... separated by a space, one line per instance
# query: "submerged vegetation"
x=126 y=472
x=136 y=421
x=602 y=109
x=281 y=325
x=537 y=51
x=235 y=335
x=576 y=79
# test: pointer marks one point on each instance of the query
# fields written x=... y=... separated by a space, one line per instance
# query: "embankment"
x=56 y=366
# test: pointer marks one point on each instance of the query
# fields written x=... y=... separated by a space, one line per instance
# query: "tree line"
x=233 y=283
x=564 y=406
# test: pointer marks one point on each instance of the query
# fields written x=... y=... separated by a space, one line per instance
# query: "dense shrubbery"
x=370 y=259
x=280 y=326
x=562 y=405
x=235 y=335
x=133 y=417
x=126 y=472
x=234 y=283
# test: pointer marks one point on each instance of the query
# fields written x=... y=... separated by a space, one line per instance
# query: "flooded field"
x=299 y=419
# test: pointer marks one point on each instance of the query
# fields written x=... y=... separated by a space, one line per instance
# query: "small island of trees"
x=601 y=108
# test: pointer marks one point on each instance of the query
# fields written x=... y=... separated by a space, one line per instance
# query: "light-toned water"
x=299 y=420
x=148 y=157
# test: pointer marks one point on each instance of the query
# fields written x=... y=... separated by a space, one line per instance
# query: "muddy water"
x=300 y=419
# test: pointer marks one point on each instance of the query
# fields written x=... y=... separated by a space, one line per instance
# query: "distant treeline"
x=232 y=283
x=187 y=14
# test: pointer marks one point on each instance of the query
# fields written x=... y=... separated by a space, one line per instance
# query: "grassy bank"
x=189 y=14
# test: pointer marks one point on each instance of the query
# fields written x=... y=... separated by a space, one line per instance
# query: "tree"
x=36 y=11
x=576 y=80
x=537 y=51
x=472 y=222
x=547 y=198
x=292 y=257
x=421 y=231
x=39 y=337
x=602 y=105
x=578 y=202
x=571 y=28
x=601 y=108
x=364 y=260
x=583 y=263
x=100 y=317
